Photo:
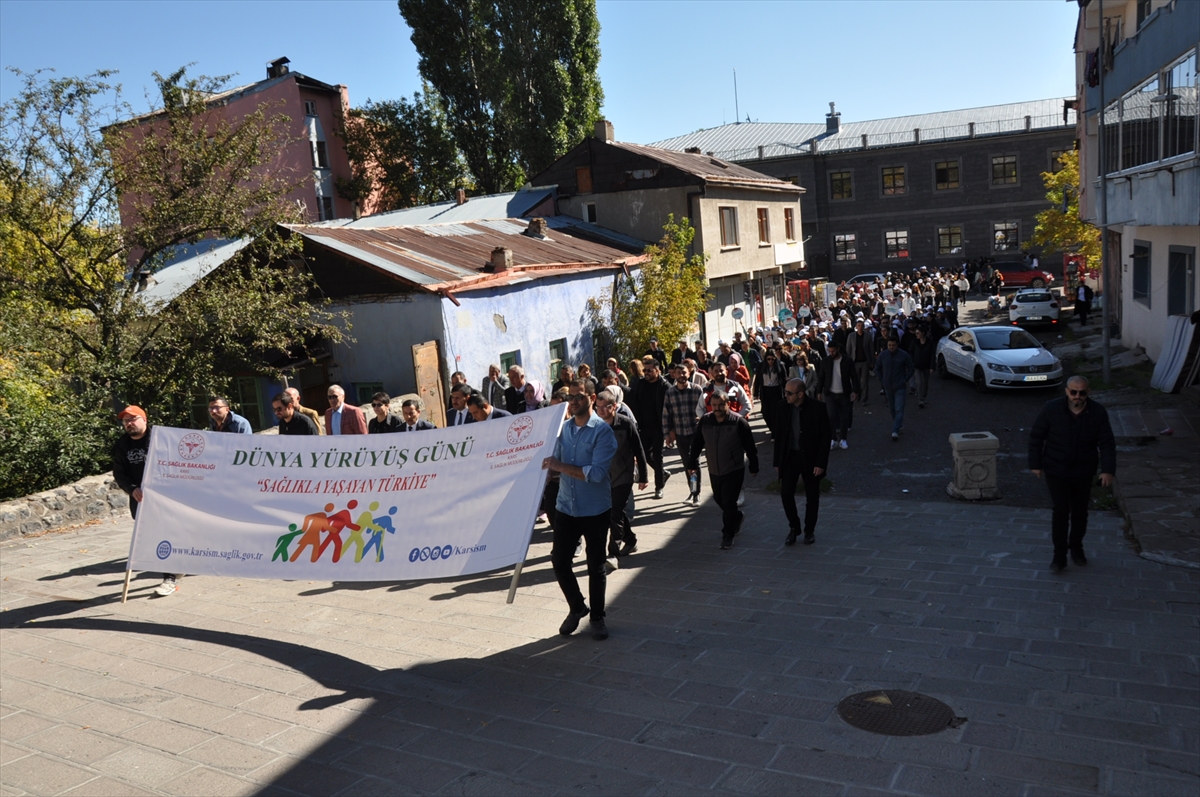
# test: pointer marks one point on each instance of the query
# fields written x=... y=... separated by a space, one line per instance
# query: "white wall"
x=1143 y=325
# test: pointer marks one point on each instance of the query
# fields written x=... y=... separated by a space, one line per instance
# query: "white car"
x=1033 y=306
x=997 y=356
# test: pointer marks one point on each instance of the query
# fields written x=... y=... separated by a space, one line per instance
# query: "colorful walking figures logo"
x=323 y=530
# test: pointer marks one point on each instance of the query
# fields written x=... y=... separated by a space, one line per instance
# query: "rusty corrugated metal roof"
x=709 y=168
x=453 y=256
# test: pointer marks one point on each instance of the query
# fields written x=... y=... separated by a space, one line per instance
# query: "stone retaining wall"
x=92 y=498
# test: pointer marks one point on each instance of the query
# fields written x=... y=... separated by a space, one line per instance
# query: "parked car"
x=857 y=278
x=1018 y=274
x=1033 y=306
x=997 y=357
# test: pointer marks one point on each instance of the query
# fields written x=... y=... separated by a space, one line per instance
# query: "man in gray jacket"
x=894 y=368
x=628 y=462
x=727 y=438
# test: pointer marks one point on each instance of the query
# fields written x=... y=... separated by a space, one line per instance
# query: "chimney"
x=460 y=197
x=833 y=121
x=692 y=150
x=501 y=259
x=537 y=229
x=604 y=130
x=278 y=67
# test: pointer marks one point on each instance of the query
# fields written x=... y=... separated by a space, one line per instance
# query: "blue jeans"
x=895 y=400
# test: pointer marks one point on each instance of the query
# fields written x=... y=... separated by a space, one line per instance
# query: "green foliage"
x=77 y=337
x=664 y=297
x=402 y=154
x=519 y=79
x=1059 y=228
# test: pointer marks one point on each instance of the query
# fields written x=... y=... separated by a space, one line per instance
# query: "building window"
x=508 y=359
x=310 y=108
x=1004 y=237
x=583 y=179
x=1181 y=108
x=1181 y=280
x=1055 y=154
x=950 y=240
x=326 y=207
x=1141 y=272
x=845 y=247
x=364 y=391
x=558 y=353
x=320 y=155
x=729 y=227
x=764 y=226
x=1004 y=170
x=895 y=244
x=945 y=175
x=589 y=212
x=789 y=224
x=841 y=185
x=1143 y=11
x=893 y=181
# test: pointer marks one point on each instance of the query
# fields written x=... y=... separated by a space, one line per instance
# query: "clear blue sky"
x=666 y=67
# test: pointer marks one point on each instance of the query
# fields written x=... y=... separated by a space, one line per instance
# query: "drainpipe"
x=1104 y=265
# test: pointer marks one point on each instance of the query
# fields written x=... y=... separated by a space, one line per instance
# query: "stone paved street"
x=722 y=674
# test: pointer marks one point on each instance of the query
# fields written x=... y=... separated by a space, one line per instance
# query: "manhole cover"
x=896 y=713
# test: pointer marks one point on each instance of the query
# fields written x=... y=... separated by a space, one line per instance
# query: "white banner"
x=391 y=507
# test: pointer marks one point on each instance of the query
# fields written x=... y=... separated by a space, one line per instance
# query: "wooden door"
x=429 y=382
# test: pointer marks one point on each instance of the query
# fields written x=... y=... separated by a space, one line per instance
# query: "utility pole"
x=1101 y=151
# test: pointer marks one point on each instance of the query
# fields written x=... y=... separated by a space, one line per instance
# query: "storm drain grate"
x=896 y=713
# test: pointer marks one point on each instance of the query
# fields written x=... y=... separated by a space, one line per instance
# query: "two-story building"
x=314 y=152
x=746 y=222
x=1136 y=74
x=923 y=190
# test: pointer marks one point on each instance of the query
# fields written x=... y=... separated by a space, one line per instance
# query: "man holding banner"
x=585 y=449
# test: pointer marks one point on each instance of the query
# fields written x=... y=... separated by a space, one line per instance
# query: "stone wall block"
x=68 y=505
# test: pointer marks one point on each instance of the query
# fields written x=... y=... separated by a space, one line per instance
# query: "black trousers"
x=653 y=446
x=792 y=472
x=1070 y=499
x=1082 y=308
x=726 y=489
x=838 y=406
x=619 y=518
x=594 y=531
x=769 y=399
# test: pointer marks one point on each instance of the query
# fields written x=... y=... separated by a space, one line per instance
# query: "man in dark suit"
x=459 y=414
x=481 y=411
x=837 y=385
x=646 y=400
x=514 y=394
x=802 y=438
x=413 y=422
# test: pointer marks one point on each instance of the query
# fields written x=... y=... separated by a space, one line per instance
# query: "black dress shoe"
x=726 y=542
x=1058 y=565
x=791 y=537
x=809 y=538
x=628 y=548
x=1078 y=557
x=599 y=630
x=572 y=622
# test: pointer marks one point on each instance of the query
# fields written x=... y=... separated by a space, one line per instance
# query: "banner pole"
x=128 y=576
x=512 y=587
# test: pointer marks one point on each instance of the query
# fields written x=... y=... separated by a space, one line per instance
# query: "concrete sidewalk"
x=722 y=674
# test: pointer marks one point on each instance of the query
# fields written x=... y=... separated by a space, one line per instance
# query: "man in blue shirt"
x=223 y=419
x=585 y=449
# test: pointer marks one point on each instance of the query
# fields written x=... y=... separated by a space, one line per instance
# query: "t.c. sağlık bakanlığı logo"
x=191 y=446
x=519 y=429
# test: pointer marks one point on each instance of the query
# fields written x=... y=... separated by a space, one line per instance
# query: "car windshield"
x=993 y=339
x=1026 y=298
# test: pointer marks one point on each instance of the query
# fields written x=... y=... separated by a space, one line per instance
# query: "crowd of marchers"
x=804 y=378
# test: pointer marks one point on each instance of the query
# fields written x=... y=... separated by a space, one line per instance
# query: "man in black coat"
x=801 y=453
x=628 y=466
x=1069 y=440
x=646 y=400
x=481 y=411
x=837 y=385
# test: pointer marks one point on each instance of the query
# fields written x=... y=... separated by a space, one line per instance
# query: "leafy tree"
x=519 y=79
x=663 y=299
x=77 y=335
x=1059 y=228
x=401 y=154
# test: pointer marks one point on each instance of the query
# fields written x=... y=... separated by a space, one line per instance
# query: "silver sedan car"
x=997 y=357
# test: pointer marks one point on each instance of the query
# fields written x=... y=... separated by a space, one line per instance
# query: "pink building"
x=316 y=151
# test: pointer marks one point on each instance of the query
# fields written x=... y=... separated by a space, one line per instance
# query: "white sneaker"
x=611 y=564
x=843 y=445
x=741 y=498
x=168 y=587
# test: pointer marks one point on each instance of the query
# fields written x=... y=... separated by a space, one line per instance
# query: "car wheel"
x=943 y=371
x=1038 y=283
x=979 y=380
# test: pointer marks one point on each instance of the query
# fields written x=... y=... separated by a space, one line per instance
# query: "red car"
x=1018 y=274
